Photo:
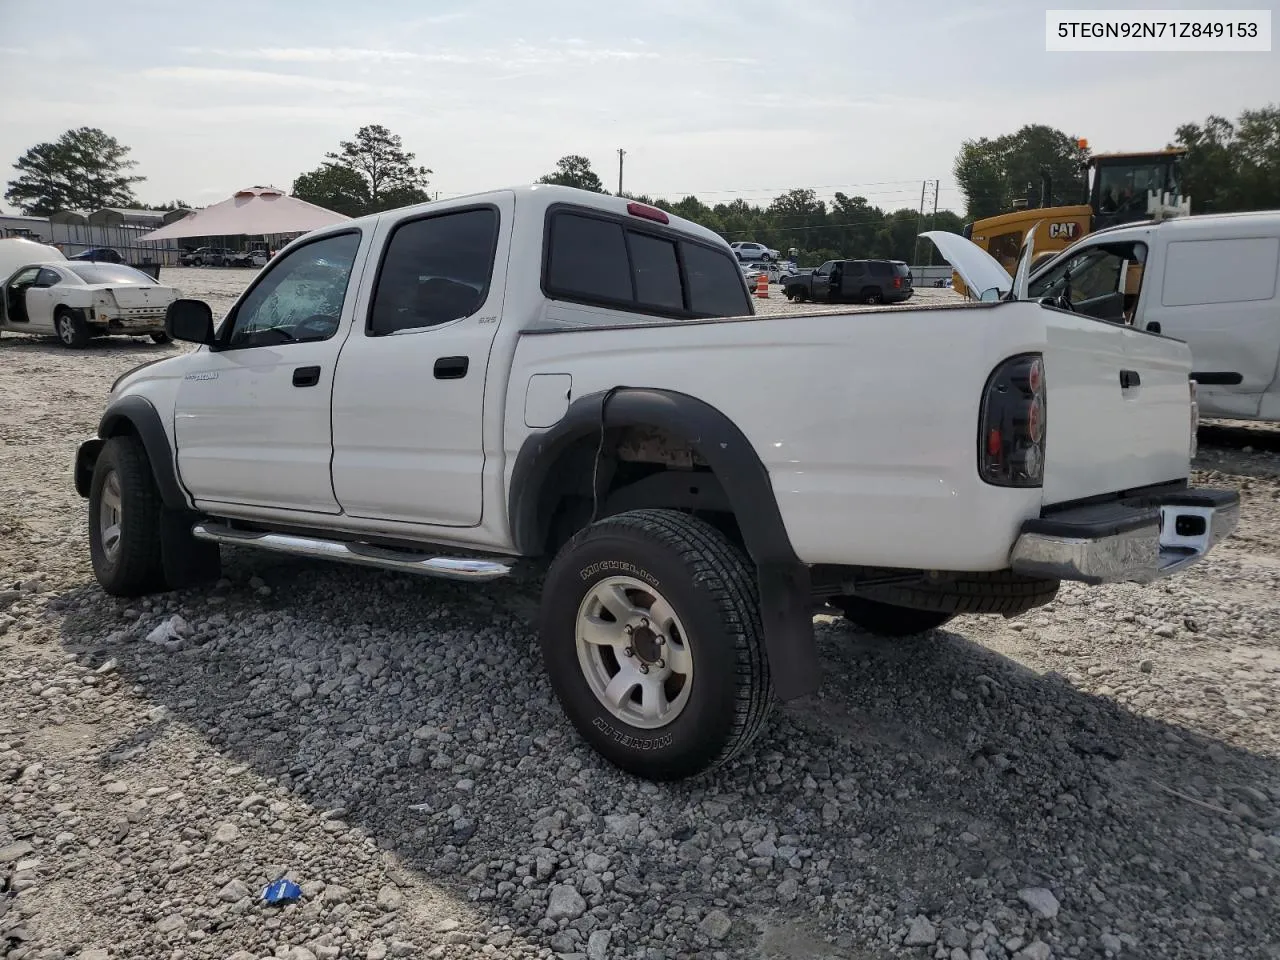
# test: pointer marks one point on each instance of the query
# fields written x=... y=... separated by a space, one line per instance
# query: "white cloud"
x=266 y=81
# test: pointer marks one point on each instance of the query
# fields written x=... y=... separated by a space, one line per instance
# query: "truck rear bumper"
x=1136 y=539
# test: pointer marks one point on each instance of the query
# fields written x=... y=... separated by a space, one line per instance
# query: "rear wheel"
x=71 y=328
x=124 y=520
x=871 y=295
x=651 y=636
x=161 y=338
x=886 y=619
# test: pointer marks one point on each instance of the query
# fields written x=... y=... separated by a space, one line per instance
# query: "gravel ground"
x=1097 y=778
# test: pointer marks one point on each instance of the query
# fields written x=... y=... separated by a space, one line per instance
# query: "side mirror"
x=189 y=320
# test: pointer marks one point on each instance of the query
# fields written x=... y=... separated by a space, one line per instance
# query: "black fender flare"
x=784 y=581
x=142 y=419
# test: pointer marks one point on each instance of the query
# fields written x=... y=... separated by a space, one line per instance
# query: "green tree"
x=85 y=169
x=334 y=187
x=574 y=171
x=378 y=156
x=855 y=224
x=994 y=173
x=171 y=205
x=1233 y=167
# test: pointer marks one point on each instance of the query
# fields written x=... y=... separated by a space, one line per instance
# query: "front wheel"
x=124 y=520
x=652 y=639
x=71 y=329
x=886 y=619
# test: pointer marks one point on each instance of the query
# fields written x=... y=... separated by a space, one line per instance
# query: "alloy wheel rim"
x=634 y=652
x=110 y=515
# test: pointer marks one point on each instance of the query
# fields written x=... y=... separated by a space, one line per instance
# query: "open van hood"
x=979 y=270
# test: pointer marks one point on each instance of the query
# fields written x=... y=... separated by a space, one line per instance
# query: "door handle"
x=452 y=368
x=1129 y=378
x=306 y=376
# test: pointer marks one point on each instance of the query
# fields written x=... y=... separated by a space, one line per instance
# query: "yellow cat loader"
x=1121 y=188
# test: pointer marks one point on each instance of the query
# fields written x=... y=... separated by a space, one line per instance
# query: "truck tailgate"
x=1118 y=408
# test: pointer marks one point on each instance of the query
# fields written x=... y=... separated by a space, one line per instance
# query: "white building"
x=109 y=227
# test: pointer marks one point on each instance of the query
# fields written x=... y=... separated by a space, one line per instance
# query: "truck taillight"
x=1011 y=437
x=897 y=283
x=1195 y=421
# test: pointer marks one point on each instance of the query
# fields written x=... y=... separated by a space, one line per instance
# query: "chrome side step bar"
x=364 y=554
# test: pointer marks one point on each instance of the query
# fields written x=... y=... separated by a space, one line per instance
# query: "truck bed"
x=867 y=419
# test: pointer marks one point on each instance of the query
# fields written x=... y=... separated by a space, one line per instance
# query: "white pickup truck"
x=541 y=373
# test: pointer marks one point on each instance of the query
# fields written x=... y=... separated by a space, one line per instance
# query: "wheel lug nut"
x=628 y=629
x=660 y=640
x=628 y=652
x=661 y=663
x=644 y=622
x=644 y=668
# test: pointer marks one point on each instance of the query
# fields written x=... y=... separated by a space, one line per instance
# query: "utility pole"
x=933 y=220
x=915 y=250
x=621 y=154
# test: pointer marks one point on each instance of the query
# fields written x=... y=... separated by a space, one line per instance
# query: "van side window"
x=436 y=270
x=1094 y=272
x=1220 y=271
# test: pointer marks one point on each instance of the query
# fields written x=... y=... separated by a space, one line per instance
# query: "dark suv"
x=862 y=281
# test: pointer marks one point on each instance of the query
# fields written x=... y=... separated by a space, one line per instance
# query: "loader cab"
x=1120 y=184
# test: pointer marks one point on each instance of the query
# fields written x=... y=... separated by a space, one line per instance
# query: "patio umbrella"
x=254 y=211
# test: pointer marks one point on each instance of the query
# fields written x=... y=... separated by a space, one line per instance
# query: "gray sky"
x=721 y=98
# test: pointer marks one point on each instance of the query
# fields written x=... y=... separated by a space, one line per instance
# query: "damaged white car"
x=77 y=301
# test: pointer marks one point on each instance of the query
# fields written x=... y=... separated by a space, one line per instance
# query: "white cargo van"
x=1209 y=280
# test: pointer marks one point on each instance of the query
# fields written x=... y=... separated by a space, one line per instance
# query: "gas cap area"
x=546 y=399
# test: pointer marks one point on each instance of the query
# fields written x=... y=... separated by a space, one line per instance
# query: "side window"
x=1090 y=274
x=598 y=260
x=1220 y=271
x=588 y=258
x=826 y=268
x=299 y=298
x=435 y=270
x=881 y=271
x=657 y=273
x=715 y=282
x=855 y=269
x=1097 y=278
x=47 y=278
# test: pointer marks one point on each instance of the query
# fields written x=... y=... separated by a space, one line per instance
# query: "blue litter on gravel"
x=281 y=891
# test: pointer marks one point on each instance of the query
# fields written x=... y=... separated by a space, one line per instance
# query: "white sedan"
x=776 y=272
x=77 y=301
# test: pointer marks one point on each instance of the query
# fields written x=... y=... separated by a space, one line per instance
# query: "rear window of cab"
x=600 y=260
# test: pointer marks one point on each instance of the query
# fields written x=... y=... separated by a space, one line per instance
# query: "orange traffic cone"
x=762 y=286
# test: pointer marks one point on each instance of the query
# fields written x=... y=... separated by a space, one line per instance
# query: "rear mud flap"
x=786 y=605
